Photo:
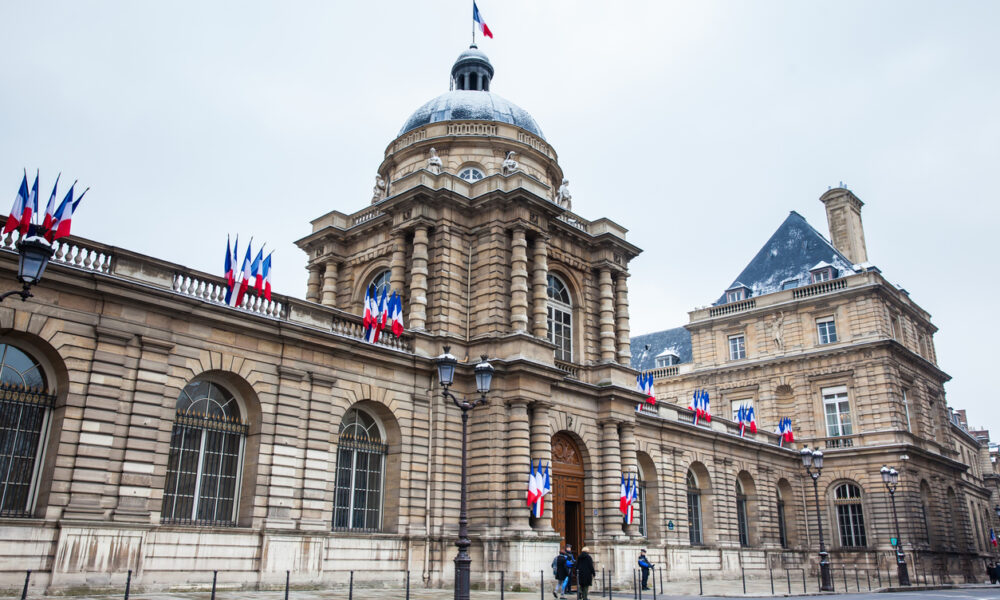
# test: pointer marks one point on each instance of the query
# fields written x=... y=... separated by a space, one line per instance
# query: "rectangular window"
x=639 y=509
x=821 y=275
x=851 y=520
x=694 y=518
x=741 y=520
x=734 y=296
x=734 y=406
x=23 y=418
x=827 y=330
x=782 y=534
x=561 y=333
x=737 y=347
x=838 y=411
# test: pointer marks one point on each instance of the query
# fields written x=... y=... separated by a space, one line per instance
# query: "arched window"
x=925 y=503
x=471 y=174
x=560 y=318
x=780 y=510
x=360 y=473
x=694 y=510
x=850 y=516
x=639 y=508
x=381 y=283
x=741 y=515
x=206 y=456
x=25 y=407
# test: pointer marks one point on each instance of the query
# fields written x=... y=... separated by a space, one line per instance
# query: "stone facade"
x=121 y=338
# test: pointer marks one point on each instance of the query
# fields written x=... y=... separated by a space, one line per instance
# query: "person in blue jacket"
x=645 y=565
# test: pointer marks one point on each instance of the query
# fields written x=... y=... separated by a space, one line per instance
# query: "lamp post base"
x=825 y=576
x=902 y=571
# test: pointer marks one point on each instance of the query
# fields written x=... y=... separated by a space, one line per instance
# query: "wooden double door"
x=568 y=507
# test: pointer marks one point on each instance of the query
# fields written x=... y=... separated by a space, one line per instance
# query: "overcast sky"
x=696 y=125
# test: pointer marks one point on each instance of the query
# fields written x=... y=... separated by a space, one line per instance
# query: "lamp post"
x=484 y=377
x=890 y=477
x=34 y=253
x=814 y=459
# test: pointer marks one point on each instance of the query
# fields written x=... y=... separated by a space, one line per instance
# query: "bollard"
x=879 y=573
x=701 y=589
x=24 y=592
x=350 y=591
x=635 y=588
x=541 y=575
x=602 y=582
x=888 y=573
x=287 y=579
x=857 y=582
x=611 y=587
x=868 y=580
x=501 y=587
x=408 y=586
x=770 y=572
x=215 y=576
x=743 y=576
x=661 y=581
x=654 y=584
x=128 y=583
x=803 y=581
x=845 y=581
x=788 y=580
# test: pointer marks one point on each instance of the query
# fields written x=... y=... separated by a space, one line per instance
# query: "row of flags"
x=539 y=484
x=629 y=494
x=700 y=406
x=381 y=313
x=58 y=218
x=784 y=431
x=746 y=418
x=644 y=381
x=257 y=270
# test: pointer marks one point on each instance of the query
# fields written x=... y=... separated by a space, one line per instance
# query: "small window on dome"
x=471 y=174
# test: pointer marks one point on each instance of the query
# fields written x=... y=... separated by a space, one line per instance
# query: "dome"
x=471 y=105
x=470 y=98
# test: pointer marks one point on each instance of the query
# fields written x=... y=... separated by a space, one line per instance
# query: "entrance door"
x=567 y=491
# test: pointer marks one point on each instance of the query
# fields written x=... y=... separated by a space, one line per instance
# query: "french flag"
x=267 y=277
x=256 y=273
x=14 y=220
x=624 y=495
x=30 y=208
x=396 y=314
x=366 y=319
x=63 y=217
x=544 y=487
x=480 y=23
x=532 y=485
x=383 y=309
x=50 y=208
x=247 y=274
x=230 y=276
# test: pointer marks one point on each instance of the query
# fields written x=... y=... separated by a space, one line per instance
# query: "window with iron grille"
x=206 y=456
x=639 y=508
x=782 y=532
x=560 y=319
x=360 y=474
x=850 y=516
x=741 y=516
x=694 y=510
x=25 y=408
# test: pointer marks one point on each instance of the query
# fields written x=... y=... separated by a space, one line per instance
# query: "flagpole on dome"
x=473 y=22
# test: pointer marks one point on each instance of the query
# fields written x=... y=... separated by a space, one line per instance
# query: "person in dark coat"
x=645 y=566
x=991 y=570
x=584 y=572
x=564 y=565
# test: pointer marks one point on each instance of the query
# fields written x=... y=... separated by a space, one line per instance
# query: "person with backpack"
x=562 y=567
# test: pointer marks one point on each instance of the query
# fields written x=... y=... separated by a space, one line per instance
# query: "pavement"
x=675 y=590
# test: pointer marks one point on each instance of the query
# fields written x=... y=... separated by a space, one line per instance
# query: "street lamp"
x=814 y=459
x=34 y=253
x=484 y=377
x=890 y=477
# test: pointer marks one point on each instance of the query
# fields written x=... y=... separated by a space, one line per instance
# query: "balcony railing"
x=846 y=441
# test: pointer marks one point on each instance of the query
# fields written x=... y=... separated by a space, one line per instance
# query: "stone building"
x=148 y=426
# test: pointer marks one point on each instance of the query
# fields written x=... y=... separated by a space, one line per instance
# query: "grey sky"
x=696 y=125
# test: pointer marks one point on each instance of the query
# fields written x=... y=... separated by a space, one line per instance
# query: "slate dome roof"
x=470 y=98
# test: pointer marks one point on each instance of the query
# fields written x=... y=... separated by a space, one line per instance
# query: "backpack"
x=555 y=565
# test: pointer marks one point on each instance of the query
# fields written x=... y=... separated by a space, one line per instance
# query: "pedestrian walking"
x=645 y=565
x=563 y=569
x=585 y=572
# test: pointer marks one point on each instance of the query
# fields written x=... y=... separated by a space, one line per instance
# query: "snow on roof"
x=787 y=255
x=671 y=351
x=676 y=340
x=820 y=265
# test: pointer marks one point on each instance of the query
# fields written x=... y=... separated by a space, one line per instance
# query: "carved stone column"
x=539 y=288
x=312 y=290
x=418 y=279
x=518 y=458
x=397 y=264
x=621 y=319
x=330 y=283
x=630 y=462
x=607 y=319
x=541 y=449
x=611 y=461
x=519 y=282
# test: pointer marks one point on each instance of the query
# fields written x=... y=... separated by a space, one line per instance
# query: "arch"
x=747 y=510
x=471 y=172
x=699 y=509
x=650 y=525
x=368 y=275
x=787 y=519
x=359 y=481
x=569 y=478
x=392 y=444
x=848 y=505
x=27 y=400
x=559 y=316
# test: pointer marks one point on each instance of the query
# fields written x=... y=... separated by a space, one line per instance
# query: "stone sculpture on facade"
x=434 y=164
x=378 y=192
x=509 y=164
x=563 y=197
x=776 y=330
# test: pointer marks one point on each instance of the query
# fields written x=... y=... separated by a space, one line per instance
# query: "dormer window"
x=471 y=174
x=667 y=359
x=737 y=292
x=821 y=272
x=790 y=284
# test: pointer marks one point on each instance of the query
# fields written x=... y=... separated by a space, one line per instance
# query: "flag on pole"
x=63 y=219
x=256 y=273
x=479 y=22
x=267 y=277
x=784 y=431
x=993 y=537
x=700 y=406
x=741 y=418
x=396 y=314
x=230 y=275
x=366 y=318
x=30 y=208
x=14 y=220
x=623 y=499
x=532 y=485
x=50 y=208
x=633 y=497
x=247 y=274
x=383 y=309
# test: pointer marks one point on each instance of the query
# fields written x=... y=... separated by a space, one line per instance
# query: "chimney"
x=843 y=217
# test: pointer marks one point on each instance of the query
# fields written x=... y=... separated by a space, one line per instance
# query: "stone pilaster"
x=621 y=319
x=539 y=288
x=611 y=461
x=287 y=460
x=397 y=263
x=519 y=282
x=418 y=280
x=312 y=289
x=320 y=463
x=330 y=283
x=630 y=461
x=541 y=449
x=518 y=459
x=607 y=319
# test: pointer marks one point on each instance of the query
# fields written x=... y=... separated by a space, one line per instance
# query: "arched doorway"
x=567 y=491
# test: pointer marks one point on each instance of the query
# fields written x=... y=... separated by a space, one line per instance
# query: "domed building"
x=150 y=431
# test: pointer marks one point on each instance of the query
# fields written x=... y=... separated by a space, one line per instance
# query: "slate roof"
x=678 y=339
x=793 y=250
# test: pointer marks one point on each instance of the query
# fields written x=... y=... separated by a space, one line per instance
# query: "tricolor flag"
x=993 y=537
x=50 y=208
x=230 y=275
x=479 y=22
x=633 y=496
x=383 y=309
x=30 y=208
x=396 y=314
x=624 y=495
x=14 y=220
x=366 y=318
x=784 y=431
x=543 y=486
x=700 y=406
x=532 y=485
x=267 y=277
x=644 y=381
x=247 y=274
x=256 y=273
x=62 y=220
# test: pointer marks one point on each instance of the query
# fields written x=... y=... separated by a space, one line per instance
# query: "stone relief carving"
x=777 y=334
x=564 y=452
x=378 y=192
x=563 y=197
x=509 y=164
x=434 y=164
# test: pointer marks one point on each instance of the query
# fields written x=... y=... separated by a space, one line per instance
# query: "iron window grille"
x=782 y=531
x=850 y=516
x=741 y=516
x=694 y=511
x=360 y=474
x=24 y=416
